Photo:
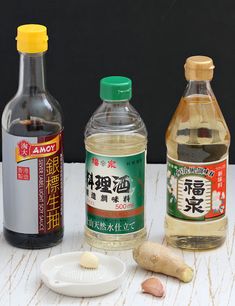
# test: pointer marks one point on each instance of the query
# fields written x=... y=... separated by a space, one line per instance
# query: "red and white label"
x=26 y=150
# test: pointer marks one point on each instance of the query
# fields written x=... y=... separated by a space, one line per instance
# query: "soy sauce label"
x=33 y=183
x=115 y=193
x=50 y=183
x=196 y=191
x=26 y=150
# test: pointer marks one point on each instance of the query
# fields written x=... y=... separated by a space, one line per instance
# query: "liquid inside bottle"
x=115 y=141
x=32 y=152
x=197 y=142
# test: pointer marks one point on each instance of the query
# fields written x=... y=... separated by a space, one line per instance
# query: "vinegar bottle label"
x=115 y=193
x=195 y=191
x=34 y=166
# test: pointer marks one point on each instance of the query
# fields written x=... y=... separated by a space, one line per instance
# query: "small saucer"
x=63 y=274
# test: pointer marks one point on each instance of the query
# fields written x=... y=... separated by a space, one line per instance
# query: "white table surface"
x=213 y=283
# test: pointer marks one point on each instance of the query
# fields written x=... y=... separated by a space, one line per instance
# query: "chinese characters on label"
x=196 y=191
x=53 y=185
x=23 y=173
x=110 y=227
x=34 y=168
x=109 y=187
x=109 y=164
x=194 y=196
x=115 y=193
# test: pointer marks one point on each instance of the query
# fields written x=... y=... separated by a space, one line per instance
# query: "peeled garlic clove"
x=89 y=260
x=153 y=286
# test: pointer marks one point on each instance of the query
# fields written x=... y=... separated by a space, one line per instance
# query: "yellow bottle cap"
x=199 y=68
x=32 y=38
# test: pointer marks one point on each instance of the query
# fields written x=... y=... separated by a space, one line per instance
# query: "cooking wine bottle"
x=115 y=140
x=197 y=141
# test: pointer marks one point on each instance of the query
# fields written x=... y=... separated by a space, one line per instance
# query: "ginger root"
x=158 y=258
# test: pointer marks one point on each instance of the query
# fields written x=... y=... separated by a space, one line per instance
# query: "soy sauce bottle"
x=197 y=141
x=32 y=128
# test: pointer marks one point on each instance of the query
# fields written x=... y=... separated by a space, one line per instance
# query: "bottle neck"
x=116 y=103
x=198 y=88
x=32 y=74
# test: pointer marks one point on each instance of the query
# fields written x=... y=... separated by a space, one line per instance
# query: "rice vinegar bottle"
x=115 y=140
x=32 y=142
x=197 y=141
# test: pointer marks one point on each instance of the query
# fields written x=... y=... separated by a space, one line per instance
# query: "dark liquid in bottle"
x=34 y=128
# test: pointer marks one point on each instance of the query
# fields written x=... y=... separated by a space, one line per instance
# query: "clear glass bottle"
x=115 y=140
x=32 y=128
x=197 y=141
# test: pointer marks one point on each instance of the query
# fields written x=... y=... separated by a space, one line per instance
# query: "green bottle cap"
x=115 y=88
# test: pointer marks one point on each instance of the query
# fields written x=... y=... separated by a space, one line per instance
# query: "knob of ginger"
x=158 y=258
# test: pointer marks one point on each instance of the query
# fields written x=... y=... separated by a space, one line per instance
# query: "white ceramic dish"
x=63 y=274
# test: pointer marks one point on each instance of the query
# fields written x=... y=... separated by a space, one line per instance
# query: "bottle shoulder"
x=34 y=109
x=197 y=113
x=198 y=131
x=115 y=119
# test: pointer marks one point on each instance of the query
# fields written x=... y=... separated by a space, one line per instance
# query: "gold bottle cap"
x=199 y=68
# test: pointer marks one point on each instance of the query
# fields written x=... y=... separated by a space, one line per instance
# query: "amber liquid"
x=118 y=145
x=33 y=128
x=197 y=133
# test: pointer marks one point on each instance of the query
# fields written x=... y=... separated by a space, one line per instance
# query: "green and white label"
x=196 y=191
x=115 y=193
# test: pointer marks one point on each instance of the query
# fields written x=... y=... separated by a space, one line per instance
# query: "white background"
x=213 y=283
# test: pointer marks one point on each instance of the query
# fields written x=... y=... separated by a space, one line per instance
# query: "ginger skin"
x=158 y=258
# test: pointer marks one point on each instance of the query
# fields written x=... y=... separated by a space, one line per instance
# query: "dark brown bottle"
x=32 y=127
